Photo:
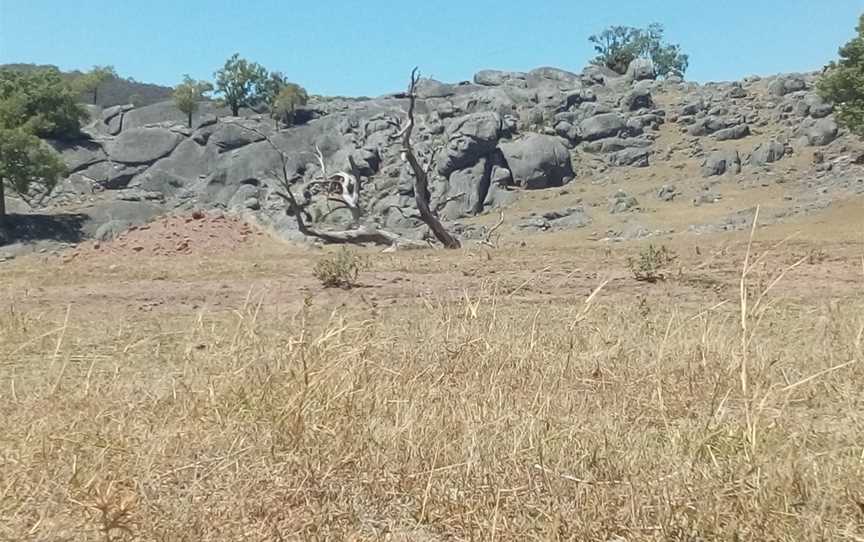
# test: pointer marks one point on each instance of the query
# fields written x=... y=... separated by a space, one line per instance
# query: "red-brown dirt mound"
x=196 y=233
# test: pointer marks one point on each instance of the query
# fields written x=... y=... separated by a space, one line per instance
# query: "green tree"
x=283 y=106
x=188 y=94
x=618 y=46
x=27 y=167
x=91 y=81
x=843 y=83
x=241 y=83
x=40 y=103
x=274 y=84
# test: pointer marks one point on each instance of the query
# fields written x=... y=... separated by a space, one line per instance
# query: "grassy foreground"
x=485 y=415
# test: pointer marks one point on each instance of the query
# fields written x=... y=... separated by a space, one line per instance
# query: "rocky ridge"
x=490 y=142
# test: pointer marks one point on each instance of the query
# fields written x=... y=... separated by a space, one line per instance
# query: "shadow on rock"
x=30 y=228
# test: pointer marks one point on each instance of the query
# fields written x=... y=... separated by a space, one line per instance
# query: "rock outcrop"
x=485 y=141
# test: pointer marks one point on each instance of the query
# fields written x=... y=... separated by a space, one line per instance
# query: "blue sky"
x=369 y=47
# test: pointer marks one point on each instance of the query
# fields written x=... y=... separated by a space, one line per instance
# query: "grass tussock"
x=478 y=418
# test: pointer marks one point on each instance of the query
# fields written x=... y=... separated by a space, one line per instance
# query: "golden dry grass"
x=493 y=400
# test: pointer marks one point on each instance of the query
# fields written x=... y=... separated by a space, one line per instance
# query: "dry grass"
x=498 y=412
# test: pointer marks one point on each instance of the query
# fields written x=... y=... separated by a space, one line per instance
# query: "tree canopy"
x=843 y=83
x=27 y=166
x=286 y=102
x=39 y=102
x=33 y=104
x=241 y=83
x=618 y=46
x=188 y=94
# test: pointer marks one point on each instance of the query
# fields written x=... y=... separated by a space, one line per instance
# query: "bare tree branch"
x=421 y=177
x=359 y=235
x=442 y=204
x=488 y=239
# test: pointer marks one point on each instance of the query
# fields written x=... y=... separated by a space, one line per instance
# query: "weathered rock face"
x=80 y=155
x=721 y=162
x=767 y=153
x=602 y=126
x=494 y=78
x=468 y=187
x=820 y=132
x=142 y=145
x=637 y=99
x=634 y=156
x=538 y=161
x=641 y=69
x=734 y=132
x=487 y=141
x=470 y=138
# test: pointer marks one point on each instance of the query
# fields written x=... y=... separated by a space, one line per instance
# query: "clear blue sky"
x=369 y=47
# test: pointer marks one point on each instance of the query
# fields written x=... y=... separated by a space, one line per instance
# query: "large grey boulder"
x=767 y=153
x=641 y=69
x=538 y=161
x=784 y=85
x=470 y=138
x=707 y=125
x=167 y=112
x=615 y=144
x=142 y=145
x=820 y=132
x=431 y=88
x=250 y=165
x=720 y=162
x=160 y=182
x=636 y=99
x=473 y=184
x=601 y=126
x=189 y=161
x=79 y=155
x=735 y=132
x=539 y=75
x=693 y=108
x=112 y=118
x=494 y=78
x=233 y=135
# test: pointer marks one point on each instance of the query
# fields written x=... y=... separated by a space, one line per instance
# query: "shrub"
x=618 y=46
x=843 y=83
x=339 y=270
x=651 y=264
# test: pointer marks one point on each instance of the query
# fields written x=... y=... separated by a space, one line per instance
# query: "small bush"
x=651 y=264
x=339 y=270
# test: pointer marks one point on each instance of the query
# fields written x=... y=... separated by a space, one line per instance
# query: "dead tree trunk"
x=421 y=175
x=349 y=184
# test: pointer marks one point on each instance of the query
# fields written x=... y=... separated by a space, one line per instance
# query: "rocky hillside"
x=616 y=156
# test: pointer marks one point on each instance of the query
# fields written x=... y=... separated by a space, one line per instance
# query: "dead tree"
x=347 y=186
x=344 y=188
x=421 y=175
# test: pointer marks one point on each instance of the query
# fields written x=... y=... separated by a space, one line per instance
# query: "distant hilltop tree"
x=843 y=83
x=91 y=81
x=241 y=83
x=618 y=46
x=188 y=95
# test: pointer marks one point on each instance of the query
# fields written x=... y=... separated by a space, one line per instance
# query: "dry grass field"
x=534 y=392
